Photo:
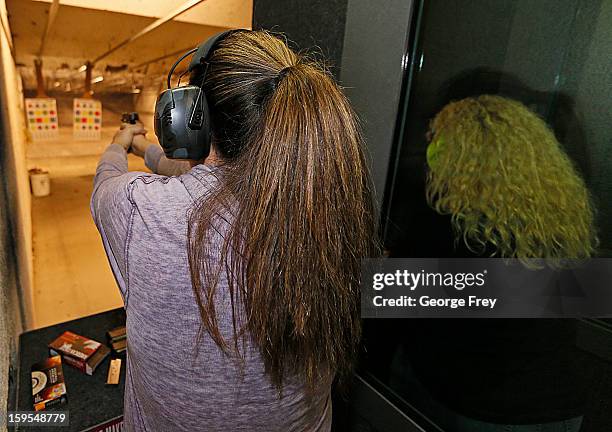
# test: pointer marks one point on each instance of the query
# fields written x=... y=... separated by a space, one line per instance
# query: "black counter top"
x=91 y=401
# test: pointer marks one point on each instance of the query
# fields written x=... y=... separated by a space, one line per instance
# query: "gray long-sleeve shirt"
x=174 y=381
x=156 y=161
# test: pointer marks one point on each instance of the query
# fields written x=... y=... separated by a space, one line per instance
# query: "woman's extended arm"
x=156 y=160
x=111 y=204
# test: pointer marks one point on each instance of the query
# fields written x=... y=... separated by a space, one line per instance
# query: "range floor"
x=72 y=277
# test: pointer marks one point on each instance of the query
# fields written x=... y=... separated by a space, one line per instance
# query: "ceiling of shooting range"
x=85 y=29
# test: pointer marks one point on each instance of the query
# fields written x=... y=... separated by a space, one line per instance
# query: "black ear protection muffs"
x=182 y=120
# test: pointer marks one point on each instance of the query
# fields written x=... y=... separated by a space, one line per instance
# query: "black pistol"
x=130 y=118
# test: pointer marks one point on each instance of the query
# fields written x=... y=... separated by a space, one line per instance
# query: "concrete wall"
x=10 y=315
x=316 y=25
x=373 y=61
x=15 y=172
x=15 y=226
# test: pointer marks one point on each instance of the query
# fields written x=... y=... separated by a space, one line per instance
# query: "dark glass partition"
x=556 y=58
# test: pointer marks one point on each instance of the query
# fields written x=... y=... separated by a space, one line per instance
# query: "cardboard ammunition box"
x=119 y=346
x=116 y=334
x=48 y=387
x=80 y=352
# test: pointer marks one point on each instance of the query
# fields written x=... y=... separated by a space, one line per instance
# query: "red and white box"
x=78 y=351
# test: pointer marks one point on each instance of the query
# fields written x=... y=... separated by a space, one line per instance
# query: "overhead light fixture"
x=97 y=79
x=56 y=84
x=83 y=68
x=135 y=90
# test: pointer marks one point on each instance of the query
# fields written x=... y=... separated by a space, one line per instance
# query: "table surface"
x=90 y=400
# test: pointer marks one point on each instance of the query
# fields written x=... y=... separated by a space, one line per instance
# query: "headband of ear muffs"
x=182 y=119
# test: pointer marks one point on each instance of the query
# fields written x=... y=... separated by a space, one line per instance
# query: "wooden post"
x=88 y=92
x=40 y=81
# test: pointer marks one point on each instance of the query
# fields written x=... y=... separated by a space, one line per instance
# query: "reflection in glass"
x=553 y=57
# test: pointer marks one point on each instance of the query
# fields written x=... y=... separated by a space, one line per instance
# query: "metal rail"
x=50 y=20
x=155 y=60
x=178 y=11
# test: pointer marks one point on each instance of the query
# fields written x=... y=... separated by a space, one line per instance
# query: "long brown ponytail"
x=295 y=190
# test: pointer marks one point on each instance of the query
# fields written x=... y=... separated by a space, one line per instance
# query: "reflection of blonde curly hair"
x=505 y=180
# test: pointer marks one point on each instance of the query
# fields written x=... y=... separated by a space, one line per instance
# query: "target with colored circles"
x=87 y=119
x=41 y=115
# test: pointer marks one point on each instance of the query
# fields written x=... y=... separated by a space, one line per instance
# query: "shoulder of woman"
x=156 y=191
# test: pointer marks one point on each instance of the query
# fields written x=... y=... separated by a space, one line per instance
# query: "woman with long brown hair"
x=241 y=277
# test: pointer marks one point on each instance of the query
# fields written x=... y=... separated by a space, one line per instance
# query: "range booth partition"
x=400 y=63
